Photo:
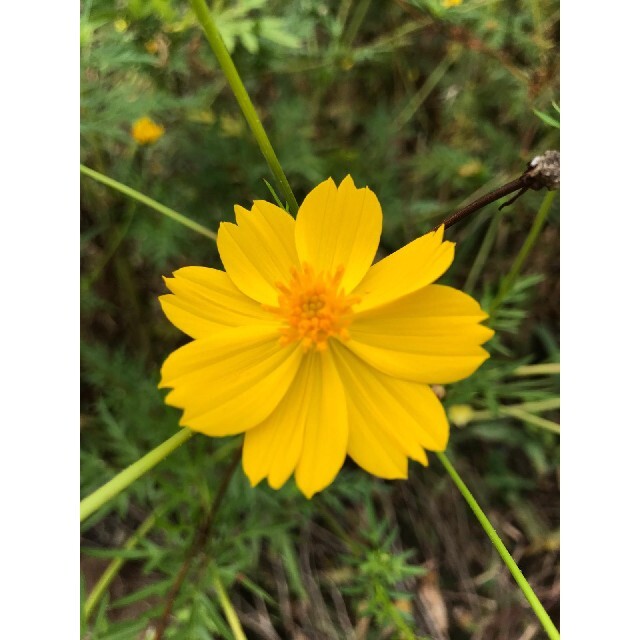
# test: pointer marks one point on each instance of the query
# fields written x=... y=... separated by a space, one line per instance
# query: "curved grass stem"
x=514 y=272
x=149 y=202
x=118 y=483
x=229 y=612
x=114 y=566
x=525 y=587
x=530 y=418
x=244 y=101
x=544 y=369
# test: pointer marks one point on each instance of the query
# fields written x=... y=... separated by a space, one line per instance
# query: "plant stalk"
x=229 y=611
x=525 y=250
x=154 y=204
x=525 y=587
x=128 y=476
x=199 y=541
x=546 y=368
x=244 y=101
x=114 y=566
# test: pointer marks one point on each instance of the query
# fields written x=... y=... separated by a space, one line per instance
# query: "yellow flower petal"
x=390 y=420
x=206 y=301
x=431 y=336
x=231 y=381
x=323 y=415
x=413 y=267
x=272 y=449
x=259 y=251
x=339 y=227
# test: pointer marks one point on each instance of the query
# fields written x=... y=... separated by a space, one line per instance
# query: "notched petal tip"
x=253 y=477
x=420 y=457
x=308 y=494
x=240 y=211
x=277 y=483
x=438 y=233
x=165 y=298
x=488 y=330
x=348 y=183
x=327 y=185
x=164 y=383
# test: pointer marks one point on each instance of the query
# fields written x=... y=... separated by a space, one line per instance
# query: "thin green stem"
x=534 y=232
x=244 y=101
x=343 y=14
x=394 y=39
x=423 y=93
x=114 y=243
x=198 y=544
x=531 y=597
x=483 y=254
x=531 y=418
x=400 y=623
x=114 y=566
x=229 y=611
x=544 y=369
x=551 y=404
x=129 y=475
x=140 y=197
x=352 y=28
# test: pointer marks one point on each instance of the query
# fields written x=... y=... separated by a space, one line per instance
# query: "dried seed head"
x=544 y=171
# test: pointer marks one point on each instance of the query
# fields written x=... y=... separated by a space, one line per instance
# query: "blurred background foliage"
x=430 y=103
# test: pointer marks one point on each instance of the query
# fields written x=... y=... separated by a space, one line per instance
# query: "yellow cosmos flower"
x=313 y=353
x=146 y=131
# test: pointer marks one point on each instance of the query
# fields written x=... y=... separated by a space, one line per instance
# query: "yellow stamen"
x=314 y=308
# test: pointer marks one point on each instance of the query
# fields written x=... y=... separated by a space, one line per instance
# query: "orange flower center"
x=314 y=308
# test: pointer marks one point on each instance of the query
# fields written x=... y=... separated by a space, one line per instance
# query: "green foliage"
x=550 y=120
x=380 y=571
x=427 y=106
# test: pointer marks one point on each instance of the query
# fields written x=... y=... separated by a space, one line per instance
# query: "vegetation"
x=429 y=104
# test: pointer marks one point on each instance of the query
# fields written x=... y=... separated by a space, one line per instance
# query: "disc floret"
x=314 y=308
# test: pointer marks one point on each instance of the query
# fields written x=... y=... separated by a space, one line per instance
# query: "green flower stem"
x=351 y=30
x=423 y=93
x=229 y=611
x=549 y=404
x=531 y=418
x=537 y=607
x=548 y=368
x=140 y=197
x=534 y=232
x=483 y=253
x=129 y=475
x=229 y=69
x=114 y=566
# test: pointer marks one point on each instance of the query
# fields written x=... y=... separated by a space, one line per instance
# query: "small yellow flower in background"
x=120 y=25
x=451 y=3
x=312 y=352
x=151 y=46
x=146 y=131
x=460 y=414
x=471 y=168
